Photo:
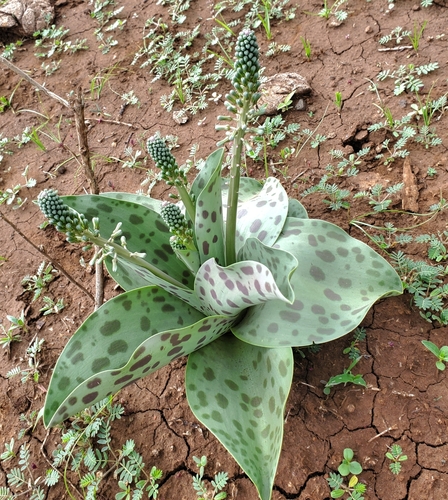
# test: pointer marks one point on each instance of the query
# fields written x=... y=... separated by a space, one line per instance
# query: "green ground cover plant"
x=217 y=275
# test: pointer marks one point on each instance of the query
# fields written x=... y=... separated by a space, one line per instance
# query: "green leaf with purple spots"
x=229 y=290
x=209 y=230
x=239 y=391
x=209 y=168
x=130 y=276
x=296 y=209
x=140 y=199
x=143 y=229
x=263 y=215
x=130 y=336
x=338 y=279
x=281 y=264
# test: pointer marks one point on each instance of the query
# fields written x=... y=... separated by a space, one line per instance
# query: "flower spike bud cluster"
x=64 y=218
x=245 y=78
x=178 y=225
x=164 y=160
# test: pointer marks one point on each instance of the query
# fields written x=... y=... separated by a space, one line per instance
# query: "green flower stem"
x=187 y=201
x=130 y=257
x=234 y=184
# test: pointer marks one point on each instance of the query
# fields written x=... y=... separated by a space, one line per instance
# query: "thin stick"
x=33 y=82
x=105 y=120
x=50 y=259
x=390 y=49
x=381 y=433
x=77 y=103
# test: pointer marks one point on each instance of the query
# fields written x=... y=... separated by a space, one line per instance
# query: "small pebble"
x=368 y=29
x=416 y=7
x=301 y=105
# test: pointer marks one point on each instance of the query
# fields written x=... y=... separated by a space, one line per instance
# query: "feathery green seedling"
x=406 y=76
x=440 y=353
x=396 y=456
x=378 y=197
x=52 y=39
x=10 y=195
x=231 y=297
x=32 y=354
x=397 y=35
x=218 y=483
x=38 y=282
x=52 y=307
x=4 y=141
x=334 y=10
x=416 y=35
x=10 y=48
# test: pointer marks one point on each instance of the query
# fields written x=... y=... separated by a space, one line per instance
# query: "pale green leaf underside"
x=130 y=336
x=263 y=215
x=229 y=290
x=209 y=230
x=281 y=264
x=143 y=228
x=239 y=392
x=336 y=283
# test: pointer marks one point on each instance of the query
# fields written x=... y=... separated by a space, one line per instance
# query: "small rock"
x=368 y=29
x=278 y=87
x=180 y=117
x=361 y=135
x=416 y=7
x=27 y=16
x=300 y=105
x=351 y=408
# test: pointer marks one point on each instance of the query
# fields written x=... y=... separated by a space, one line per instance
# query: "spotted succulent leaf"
x=129 y=337
x=281 y=264
x=296 y=209
x=209 y=228
x=239 y=392
x=142 y=227
x=263 y=215
x=229 y=290
x=337 y=281
x=140 y=199
x=206 y=172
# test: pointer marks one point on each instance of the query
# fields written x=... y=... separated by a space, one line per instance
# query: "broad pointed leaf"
x=229 y=290
x=127 y=338
x=210 y=165
x=281 y=264
x=143 y=228
x=130 y=276
x=239 y=392
x=209 y=229
x=263 y=215
x=140 y=199
x=336 y=283
x=296 y=209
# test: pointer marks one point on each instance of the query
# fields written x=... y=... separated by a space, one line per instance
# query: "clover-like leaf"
x=130 y=336
x=239 y=392
x=229 y=290
x=142 y=227
x=337 y=281
x=209 y=230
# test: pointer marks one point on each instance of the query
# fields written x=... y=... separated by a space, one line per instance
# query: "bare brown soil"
x=406 y=400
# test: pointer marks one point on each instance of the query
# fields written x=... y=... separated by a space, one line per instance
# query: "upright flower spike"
x=171 y=173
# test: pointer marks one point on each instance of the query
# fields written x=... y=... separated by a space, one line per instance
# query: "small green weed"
x=354 y=489
x=406 y=76
x=346 y=377
x=218 y=483
x=396 y=456
x=306 y=44
x=417 y=34
x=440 y=353
x=52 y=40
x=32 y=354
x=36 y=283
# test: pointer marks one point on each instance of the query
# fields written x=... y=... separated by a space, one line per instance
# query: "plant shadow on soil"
x=406 y=398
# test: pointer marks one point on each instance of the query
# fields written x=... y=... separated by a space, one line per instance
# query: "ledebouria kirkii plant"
x=234 y=274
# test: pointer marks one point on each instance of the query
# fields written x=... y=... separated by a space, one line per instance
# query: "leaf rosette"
x=286 y=281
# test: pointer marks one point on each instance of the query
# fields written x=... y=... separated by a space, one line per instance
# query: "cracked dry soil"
x=406 y=400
